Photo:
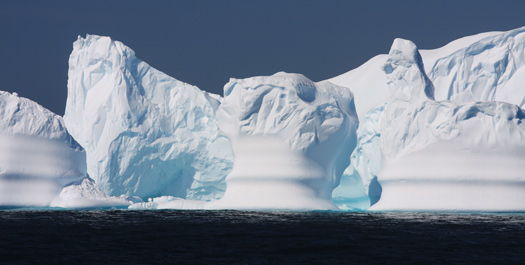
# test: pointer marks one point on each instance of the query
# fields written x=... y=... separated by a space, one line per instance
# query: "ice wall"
x=444 y=155
x=486 y=66
x=292 y=139
x=38 y=157
x=491 y=69
x=145 y=133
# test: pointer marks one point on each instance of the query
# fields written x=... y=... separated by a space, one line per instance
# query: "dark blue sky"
x=206 y=42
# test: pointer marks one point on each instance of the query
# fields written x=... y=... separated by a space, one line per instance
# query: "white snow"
x=146 y=134
x=444 y=155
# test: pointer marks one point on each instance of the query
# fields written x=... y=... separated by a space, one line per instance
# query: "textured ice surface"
x=359 y=187
x=169 y=202
x=292 y=139
x=22 y=117
x=487 y=66
x=444 y=155
x=86 y=194
x=491 y=69
x=38 y=157
x=146 y=134
x=368 y=82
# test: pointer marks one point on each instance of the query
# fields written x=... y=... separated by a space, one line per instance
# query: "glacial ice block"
x=359 y=188
x=484 y=67
x=38 y=157
x=292 y=139
x=443 y=155
x=146 y=134
x=85 y=194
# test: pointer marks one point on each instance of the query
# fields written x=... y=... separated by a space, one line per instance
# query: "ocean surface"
x=241 y=237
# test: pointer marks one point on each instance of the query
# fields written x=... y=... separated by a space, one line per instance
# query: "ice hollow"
x=291 y=138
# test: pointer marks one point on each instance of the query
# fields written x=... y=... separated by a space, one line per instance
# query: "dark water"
x=237 y=237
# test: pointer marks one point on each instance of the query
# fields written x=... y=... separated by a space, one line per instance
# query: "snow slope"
x=146 y=134
x=444 y=155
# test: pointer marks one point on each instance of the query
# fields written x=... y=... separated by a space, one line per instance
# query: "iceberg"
x=359 y=188
x=169 y=202
x=369 y=84
x=491 y=69
x=85 y=194
x=146 y=134
x=292 y=140
x=445 y=155
x=449 y=138
x=39 y=160
x=482 y=67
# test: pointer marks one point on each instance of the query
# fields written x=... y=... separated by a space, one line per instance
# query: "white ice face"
x=23 y=117
x=483 y=67
x=292 y=139
x=440 y=130
x=444 y=155
x=38 y=157
x=145 y=133
x=491 y=69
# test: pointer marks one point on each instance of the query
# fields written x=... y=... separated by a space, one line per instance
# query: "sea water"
x=244 y=237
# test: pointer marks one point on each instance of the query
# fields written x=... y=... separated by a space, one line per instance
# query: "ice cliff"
x=487 y=67
x=145 y=133
x=292 y=139
x=445 y=155
x=439 y=130
x=39 y=160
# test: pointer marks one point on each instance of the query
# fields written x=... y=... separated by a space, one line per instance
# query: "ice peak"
x=146 y=133
x=406 y=74
x=20 y=116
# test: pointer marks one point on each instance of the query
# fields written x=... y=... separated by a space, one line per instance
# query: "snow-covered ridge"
x=145 y=133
